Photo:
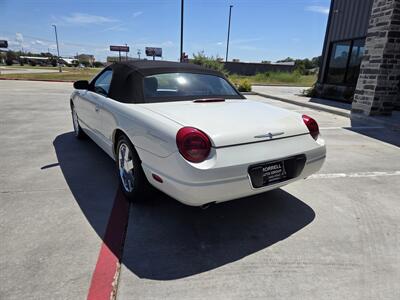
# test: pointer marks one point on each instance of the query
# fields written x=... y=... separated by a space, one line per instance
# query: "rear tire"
x=132 y=179
x=79 y=133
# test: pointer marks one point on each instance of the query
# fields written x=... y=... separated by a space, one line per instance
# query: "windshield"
x=186 y=86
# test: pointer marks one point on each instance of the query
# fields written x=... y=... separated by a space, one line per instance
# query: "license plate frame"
x=276 y=171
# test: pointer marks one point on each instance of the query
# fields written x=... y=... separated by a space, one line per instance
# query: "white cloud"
x=220 y=43
x=167 y=44
x=82 y=18
x=318 y=9
x=116 y=28
x=137 y=14
x=13 y=44
x=38 y=42
x=19 y=37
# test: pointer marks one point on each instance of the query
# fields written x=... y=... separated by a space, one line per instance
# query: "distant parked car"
x=188 y=132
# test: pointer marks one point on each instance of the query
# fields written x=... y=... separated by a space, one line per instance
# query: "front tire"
x=79 y=133
x=132 y=179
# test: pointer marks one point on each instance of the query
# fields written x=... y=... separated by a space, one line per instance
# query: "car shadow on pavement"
x=91 y=176
x=167 y=240
x=381 y=133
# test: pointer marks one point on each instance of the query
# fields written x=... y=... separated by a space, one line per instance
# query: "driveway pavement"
x=335 y=235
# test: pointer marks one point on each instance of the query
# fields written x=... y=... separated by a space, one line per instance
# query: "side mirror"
x=81 y=85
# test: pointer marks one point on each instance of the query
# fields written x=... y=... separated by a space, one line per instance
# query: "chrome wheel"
x=75 y=121
x=125 y=166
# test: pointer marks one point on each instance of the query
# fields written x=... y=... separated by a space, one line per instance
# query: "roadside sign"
x=3 y=44
x=119 y=48
x=153 y=51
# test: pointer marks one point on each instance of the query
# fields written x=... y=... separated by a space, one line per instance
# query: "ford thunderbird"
x=188 y=132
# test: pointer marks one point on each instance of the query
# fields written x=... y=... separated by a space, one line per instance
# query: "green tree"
x=98 y=64
x=303 y=65
x=288 y=59
x=10 y=57
x=86 y=64
x=208 y=62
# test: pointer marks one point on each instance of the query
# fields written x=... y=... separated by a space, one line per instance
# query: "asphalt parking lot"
x=335 y=235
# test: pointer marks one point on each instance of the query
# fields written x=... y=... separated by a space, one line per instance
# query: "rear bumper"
x=225 y=176
x=200 y=194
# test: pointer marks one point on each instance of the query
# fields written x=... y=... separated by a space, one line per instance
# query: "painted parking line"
x=354 y=175
x=105 y=276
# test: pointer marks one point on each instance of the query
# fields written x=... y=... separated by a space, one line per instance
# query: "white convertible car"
x=188 y=132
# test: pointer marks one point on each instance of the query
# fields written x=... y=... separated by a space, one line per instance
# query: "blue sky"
x=260 y=30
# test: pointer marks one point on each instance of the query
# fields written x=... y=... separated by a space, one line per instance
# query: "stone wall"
x=378 y=87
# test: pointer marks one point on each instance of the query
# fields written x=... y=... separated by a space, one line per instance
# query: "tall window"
x=344 y=62
x=338 y=62
x=357 y=54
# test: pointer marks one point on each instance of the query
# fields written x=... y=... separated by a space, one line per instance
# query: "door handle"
x=97 y=109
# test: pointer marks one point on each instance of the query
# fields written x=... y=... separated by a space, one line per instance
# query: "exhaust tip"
x=207 y=205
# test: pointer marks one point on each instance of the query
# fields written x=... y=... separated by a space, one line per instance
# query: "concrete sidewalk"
x=293 y=95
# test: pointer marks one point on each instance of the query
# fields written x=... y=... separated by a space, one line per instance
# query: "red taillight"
x=193 y=144
x=312 y=126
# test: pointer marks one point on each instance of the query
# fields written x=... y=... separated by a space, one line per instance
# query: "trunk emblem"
x=269 y=135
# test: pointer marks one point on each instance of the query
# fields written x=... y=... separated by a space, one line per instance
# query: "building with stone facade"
x=86 y=59
x=361 y=55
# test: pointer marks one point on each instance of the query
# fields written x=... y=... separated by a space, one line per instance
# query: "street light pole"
x=58 y=50
x=181 y=52
x=229 y=31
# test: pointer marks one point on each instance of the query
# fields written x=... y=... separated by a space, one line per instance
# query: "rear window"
x=186 y=86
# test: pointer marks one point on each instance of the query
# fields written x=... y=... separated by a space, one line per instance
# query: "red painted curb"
x=105 y=275
x=45 y=80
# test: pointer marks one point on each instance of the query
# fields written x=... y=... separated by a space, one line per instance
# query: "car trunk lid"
x=233 y=122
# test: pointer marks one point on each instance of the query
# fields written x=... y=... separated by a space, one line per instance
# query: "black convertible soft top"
x=150 y=67
x=127 y=80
